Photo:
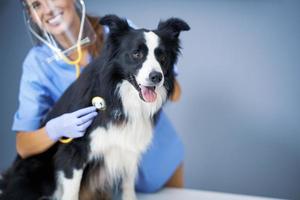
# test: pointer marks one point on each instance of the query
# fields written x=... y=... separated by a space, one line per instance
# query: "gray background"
x=239 y=113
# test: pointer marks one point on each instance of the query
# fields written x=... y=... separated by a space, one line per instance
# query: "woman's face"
x=54 y=16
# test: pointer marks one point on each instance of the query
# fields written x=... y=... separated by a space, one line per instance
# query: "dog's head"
x=145 y=58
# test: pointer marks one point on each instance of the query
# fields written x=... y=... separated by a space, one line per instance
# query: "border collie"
x=135 y=77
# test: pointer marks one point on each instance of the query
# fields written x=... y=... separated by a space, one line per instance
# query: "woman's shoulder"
x=35 y=63
x=39 y=51
x=37 y=55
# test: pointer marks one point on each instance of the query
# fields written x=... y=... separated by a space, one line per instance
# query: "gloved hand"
x=71 y=125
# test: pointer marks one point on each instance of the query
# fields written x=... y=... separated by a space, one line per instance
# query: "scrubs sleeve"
x=162 y=158
x=34 y=101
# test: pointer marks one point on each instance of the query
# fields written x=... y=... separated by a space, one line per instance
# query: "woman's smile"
x=56 y=17
x=55 y=20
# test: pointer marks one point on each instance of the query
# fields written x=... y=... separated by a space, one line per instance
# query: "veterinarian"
x=65 y=40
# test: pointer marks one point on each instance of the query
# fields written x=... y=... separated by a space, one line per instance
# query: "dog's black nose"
x=155 y=77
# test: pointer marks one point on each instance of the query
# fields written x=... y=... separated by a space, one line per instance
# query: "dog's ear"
x=115 y=23
x=173 y=26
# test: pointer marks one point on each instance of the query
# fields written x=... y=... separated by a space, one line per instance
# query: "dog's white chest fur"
x=122 y=145
x=131 y=137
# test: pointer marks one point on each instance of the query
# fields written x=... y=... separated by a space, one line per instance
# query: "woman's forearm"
x=33 y=142
x=177 y=179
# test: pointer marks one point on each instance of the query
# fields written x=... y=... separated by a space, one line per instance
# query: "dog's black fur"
x=35 y=177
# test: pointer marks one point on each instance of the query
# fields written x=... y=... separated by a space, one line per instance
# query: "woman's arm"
x=33 y=142
x=177 y=179
x=71 y=125
x=175 y=96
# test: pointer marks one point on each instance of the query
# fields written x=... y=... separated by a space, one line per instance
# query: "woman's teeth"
x=55 y=20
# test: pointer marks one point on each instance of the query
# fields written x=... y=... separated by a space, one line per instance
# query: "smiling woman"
x=61 y=25
x=56 y=17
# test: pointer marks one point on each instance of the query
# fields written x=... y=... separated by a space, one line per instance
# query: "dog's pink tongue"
x=149 y=94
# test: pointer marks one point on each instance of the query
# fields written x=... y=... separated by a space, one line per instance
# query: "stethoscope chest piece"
x=99 y=103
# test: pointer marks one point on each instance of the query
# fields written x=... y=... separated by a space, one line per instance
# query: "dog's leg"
x=68 y=188
x=128 y=192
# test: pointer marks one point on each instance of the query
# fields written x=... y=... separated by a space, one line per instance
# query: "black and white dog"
x=135 y=77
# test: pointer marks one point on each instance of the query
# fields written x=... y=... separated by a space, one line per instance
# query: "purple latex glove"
x=71 y=125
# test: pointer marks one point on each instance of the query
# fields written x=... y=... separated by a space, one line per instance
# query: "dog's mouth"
x=146 y=93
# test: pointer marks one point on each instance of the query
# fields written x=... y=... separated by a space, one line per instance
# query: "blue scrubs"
x=42 y=84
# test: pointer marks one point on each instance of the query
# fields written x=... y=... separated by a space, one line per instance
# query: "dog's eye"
x=163 y=58
x=137 y=55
